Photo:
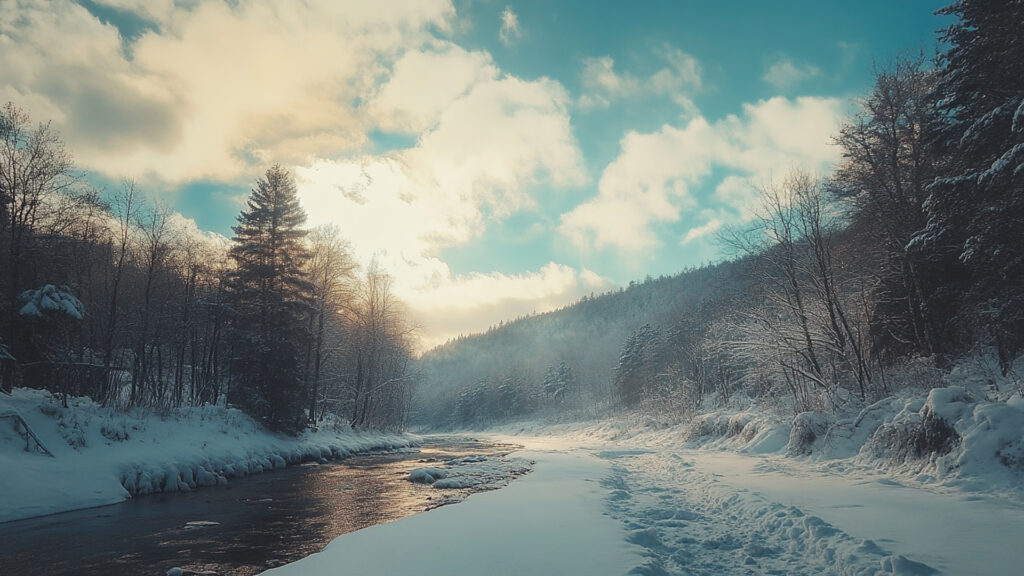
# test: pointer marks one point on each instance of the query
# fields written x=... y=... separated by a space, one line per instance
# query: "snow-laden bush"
x=714 y=424
x=921 y=433
x=50 y=300
x=119 y=429
x=912 y=441
x=806 y=430
x=951 y=436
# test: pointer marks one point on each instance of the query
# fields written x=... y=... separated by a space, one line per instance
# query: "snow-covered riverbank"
x=640 y=507
x=101 y=456
x=741 y=493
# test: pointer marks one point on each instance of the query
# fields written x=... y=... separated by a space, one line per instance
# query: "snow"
x=548 y=522
x=426 y=475
x=479 y=472
x=50 y=299
x=927 y=482
x=746 y=493
x=102 y=456
x=733 y=492
x=654 y=505
x=1018 y=118
x=953 y=532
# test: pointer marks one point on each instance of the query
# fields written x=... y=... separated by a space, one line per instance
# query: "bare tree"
x=382 y=350
x=331 y=273
x=888 y=161
x=34 y=169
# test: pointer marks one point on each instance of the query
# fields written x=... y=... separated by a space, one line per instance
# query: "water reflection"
x=243 y=528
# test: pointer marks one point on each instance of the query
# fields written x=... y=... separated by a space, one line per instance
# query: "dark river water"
x=248 y=526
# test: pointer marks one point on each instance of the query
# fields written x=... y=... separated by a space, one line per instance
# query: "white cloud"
x=440 y=192
x=403 y=207
x=651 y=179
x=424 y=83
x=603 y=85
x=510 y=30
x=785 y=74
x=476 y=301
x=389 y=216
x=216 y=91
x=712 y=226
x=649 y=182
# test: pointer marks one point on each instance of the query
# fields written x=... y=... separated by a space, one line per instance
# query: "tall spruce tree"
x=976 y=208
x=271 y=303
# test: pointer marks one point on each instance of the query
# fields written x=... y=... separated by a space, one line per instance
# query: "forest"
x=116 y=297
x=843 y=289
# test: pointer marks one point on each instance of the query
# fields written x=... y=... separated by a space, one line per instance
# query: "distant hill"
x=501 y=373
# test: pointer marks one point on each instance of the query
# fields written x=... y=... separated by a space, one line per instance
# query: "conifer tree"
x=975 y=209
x=270 y=297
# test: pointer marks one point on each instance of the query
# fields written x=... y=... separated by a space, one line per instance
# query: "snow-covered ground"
x=732 y=493
x=914 y=485
x=101 y=456
x=551 y=521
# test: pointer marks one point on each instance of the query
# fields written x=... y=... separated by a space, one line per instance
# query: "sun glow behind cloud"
x=215 y=92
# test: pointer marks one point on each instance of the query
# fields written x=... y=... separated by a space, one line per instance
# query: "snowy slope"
x=102 y=456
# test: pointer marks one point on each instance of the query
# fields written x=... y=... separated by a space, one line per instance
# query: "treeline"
x=118 y=298
x=561 y=364
x=911 y=253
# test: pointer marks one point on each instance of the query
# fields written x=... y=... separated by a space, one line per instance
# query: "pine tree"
x=634 y=373
x=976 y=208
x=270 y=297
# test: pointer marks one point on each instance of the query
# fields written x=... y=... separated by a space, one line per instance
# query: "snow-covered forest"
x=113 y=296
x=838 y=291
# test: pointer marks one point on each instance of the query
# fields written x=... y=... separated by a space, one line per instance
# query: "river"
x=248 y=526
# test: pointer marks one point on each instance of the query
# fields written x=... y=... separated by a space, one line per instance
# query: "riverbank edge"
x=100 y=456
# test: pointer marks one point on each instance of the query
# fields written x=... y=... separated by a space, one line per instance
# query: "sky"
x=496 y=158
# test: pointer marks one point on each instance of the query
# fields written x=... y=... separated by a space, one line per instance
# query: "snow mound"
x=952 y=437
x=426 y=475
x=477 y=472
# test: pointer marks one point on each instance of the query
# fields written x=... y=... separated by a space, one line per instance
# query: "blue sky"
x=499 y=158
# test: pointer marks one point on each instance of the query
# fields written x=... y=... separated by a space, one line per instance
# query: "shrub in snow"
x=115 y=430
x=714 y=424
x=924 y=435
x=72 y=430
x=807 y=428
